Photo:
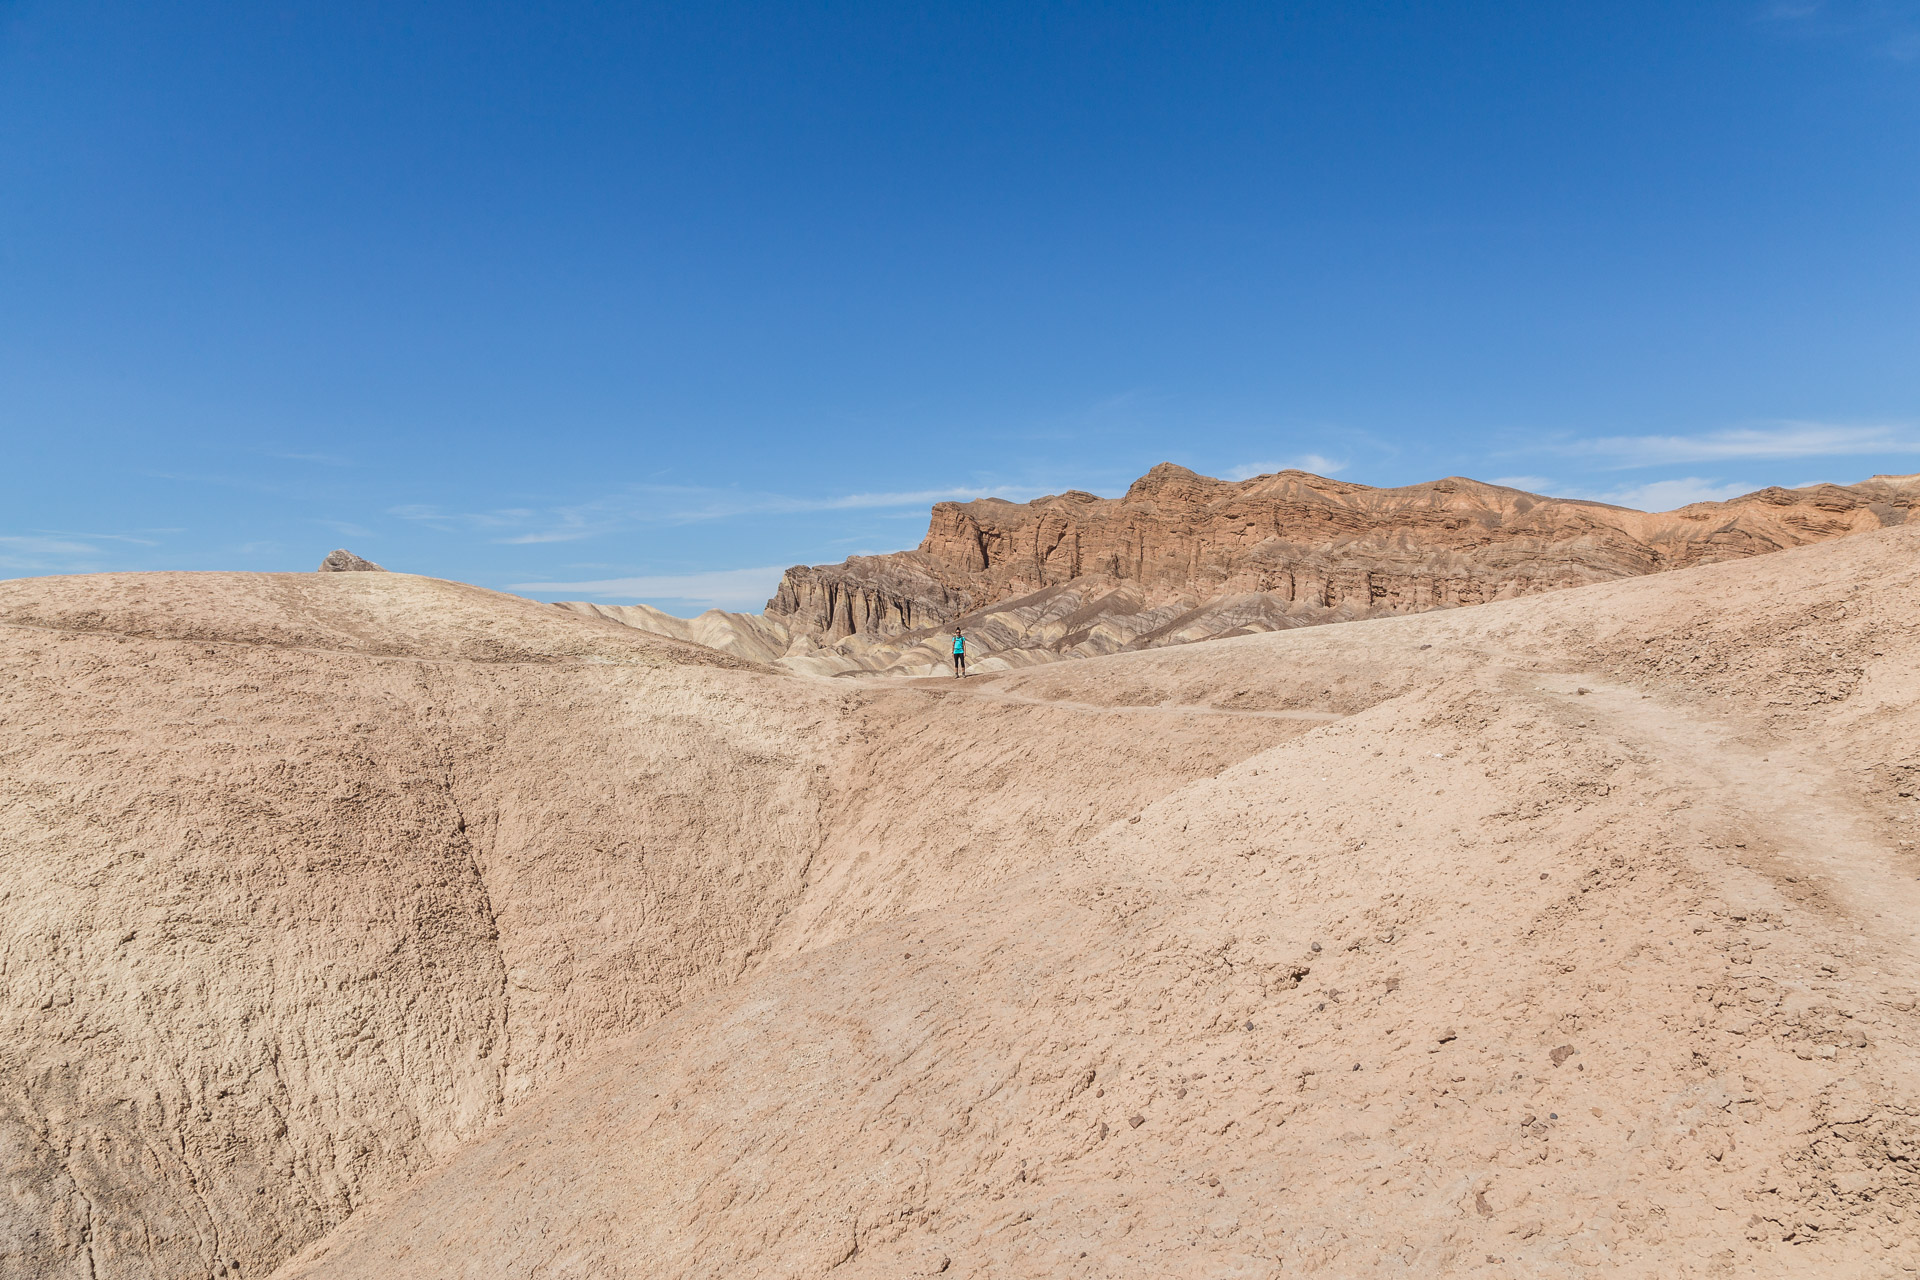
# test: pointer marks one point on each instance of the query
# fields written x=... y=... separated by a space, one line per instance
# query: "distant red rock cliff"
x=1183 y=556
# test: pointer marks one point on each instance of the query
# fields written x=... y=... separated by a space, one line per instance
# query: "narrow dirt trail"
x=1776 y=797
x=1182 y=709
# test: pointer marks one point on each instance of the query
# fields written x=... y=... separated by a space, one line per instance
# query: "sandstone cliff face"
x=868 y=595
x=1184 y=557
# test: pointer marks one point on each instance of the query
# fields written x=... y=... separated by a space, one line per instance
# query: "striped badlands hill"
x=1184 y=557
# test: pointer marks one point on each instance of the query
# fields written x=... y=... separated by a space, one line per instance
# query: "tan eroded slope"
x=312 y=878
x=1582 y=944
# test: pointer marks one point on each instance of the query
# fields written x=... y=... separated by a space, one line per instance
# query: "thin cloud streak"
x=67 y=550
x=1526 y=484
x=919 y=497
x=1786 y=440
x=106 y=537
x=1657 y=495
x=48 y=546
x=718 y=589
x=1319 y=464
x=230 y=482
x=671 y=504
x=1667 y=495
x=322 y=459
x=1888 y=28
x=31 y=553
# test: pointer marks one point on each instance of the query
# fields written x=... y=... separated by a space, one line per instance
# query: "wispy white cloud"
x=1776 y=441
x=917 y=497
x=1665 y=495
x=106 y=537
x=322 y=459
x=34 y=545
x=1888 y=28
x=565 y=532
x=719 y=589
x=230 y=482
x=35 y=553
x=674 y=504
x=71 y=550
x=1119 y=402
x=1656 y=495
x=1319 y=464
x=464 y=521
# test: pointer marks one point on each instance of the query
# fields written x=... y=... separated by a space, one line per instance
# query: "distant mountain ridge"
x=1183 y=557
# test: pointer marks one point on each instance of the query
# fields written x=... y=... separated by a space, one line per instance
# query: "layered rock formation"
x=341 y=560
x=1185 y=557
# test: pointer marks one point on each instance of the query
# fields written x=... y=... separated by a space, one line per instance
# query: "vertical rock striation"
x=1183 y=556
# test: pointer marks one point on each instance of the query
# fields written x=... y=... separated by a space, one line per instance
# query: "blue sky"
x=659 y=299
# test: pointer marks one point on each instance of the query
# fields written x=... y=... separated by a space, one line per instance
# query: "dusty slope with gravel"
x=309 y=878
x=531 y=945
x=1488 y=976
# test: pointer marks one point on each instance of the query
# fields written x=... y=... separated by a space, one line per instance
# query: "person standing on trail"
x=959 y=654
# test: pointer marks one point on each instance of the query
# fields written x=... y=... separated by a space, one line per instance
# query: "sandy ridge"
x=674 y=968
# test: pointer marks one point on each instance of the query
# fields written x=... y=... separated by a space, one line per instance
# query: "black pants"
x=959 y=664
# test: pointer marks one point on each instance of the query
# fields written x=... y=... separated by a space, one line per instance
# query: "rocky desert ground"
x=366 y=925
